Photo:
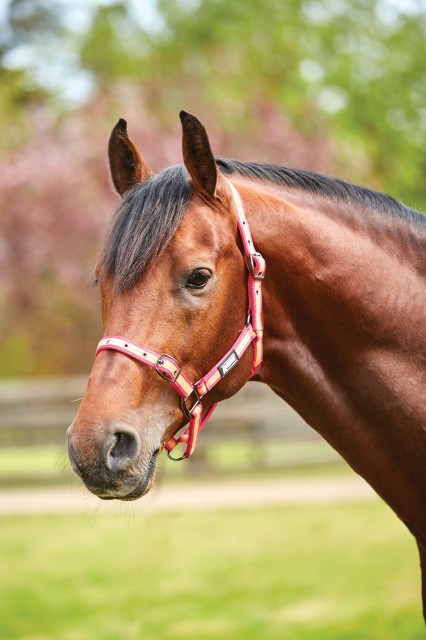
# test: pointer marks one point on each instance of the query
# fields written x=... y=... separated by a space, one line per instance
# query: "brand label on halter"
x=226 y=365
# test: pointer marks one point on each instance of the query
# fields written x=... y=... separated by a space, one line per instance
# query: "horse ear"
x=197 y=154
x=126 y=165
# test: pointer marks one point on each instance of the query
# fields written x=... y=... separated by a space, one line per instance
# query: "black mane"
x=320 y=185
x=151 y=212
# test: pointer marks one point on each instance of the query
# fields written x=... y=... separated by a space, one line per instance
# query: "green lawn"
x=346 y=572
x=28 y=466
x=48 y=465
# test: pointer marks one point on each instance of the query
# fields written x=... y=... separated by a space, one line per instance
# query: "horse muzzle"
x=115 y=467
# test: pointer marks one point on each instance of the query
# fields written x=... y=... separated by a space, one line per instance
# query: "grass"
x=346 y=572
x=28 y=466
x=48 y=464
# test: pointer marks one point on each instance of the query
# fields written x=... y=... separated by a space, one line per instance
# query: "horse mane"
x=321 y=185
x=151 y=212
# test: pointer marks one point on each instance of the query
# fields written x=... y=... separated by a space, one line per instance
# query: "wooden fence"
x=255 y=422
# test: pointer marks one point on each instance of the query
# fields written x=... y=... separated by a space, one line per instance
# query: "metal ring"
x=175 y=459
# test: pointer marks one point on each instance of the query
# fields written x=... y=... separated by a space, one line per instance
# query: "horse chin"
x=143 y=486
x=141 y=489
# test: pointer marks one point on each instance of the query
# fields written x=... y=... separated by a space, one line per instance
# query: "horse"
x=341 y=335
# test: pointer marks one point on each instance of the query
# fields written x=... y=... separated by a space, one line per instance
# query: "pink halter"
x=168 y=368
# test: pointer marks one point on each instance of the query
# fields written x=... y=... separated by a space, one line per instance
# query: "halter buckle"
x=187 y=412
x=251 y=266
x=164 y=375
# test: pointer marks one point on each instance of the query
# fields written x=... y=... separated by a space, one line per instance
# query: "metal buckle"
x=251 y=265
x=161 y=373
x=187 y=412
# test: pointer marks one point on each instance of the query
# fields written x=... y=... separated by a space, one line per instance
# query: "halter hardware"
x=161 y=360
x=170 y=457
x=187 y=412
x=251 y=266
x=169 y=369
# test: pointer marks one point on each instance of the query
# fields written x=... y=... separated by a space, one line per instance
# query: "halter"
x=168 y=368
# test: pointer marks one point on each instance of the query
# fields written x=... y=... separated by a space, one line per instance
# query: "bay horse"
x=343 y=332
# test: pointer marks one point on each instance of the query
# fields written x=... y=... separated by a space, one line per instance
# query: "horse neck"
x=343 y=346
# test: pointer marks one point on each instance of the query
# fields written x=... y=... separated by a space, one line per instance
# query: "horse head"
x=171 y=277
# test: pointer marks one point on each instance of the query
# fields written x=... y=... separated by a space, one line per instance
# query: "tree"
x=350 y=71
x=332 y=86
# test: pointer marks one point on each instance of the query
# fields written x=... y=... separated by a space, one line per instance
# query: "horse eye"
x=197 y=280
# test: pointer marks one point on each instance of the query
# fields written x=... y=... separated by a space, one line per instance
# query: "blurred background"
x=329 y=85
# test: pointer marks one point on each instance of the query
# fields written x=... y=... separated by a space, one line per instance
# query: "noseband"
x=168 y=368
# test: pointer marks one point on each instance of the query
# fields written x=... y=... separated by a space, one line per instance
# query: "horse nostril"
x=125 y=445
x=121 y=449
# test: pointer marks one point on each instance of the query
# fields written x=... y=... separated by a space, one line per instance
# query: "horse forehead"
x=202 y=227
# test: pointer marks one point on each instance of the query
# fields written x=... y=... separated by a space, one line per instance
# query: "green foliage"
x=354 y=70
x=25 y=23
x=122 y=57
x=15 y=100
x=346 y=571
x=351 y=72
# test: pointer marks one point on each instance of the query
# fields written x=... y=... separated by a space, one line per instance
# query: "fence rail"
x=38 y=411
